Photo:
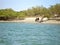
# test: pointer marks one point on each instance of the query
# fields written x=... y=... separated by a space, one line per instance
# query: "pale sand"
x=52 y=21
x=32 y=20
x=26 y=20
x=13 y=21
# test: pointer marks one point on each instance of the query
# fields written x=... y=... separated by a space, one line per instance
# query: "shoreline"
x=32 y=20
x=27 y=21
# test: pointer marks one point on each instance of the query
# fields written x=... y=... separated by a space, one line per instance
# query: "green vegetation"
x=10 y=14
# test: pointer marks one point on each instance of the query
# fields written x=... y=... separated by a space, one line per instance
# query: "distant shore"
x=32 y=20
x=24 y=21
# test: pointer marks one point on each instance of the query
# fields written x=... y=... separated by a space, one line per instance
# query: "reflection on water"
x=29 y=34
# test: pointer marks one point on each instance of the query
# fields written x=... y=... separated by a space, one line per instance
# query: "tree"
x=7 y=13
x=55 y=9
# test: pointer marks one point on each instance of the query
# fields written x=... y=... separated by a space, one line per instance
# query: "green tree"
x=55 y=9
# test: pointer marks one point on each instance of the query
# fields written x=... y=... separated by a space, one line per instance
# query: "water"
x=29 y=34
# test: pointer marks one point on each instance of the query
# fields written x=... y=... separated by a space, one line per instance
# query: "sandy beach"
x=32 y=20
x=52 y=21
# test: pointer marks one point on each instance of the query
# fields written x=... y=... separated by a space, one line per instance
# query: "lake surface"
x=29 y=34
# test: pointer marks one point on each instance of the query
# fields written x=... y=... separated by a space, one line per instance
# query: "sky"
x=19 y=5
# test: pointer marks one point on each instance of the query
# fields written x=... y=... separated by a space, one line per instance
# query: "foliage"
x=34 y=11
x=55 y=9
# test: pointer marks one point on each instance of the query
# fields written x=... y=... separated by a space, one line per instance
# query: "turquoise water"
x=29 y=34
